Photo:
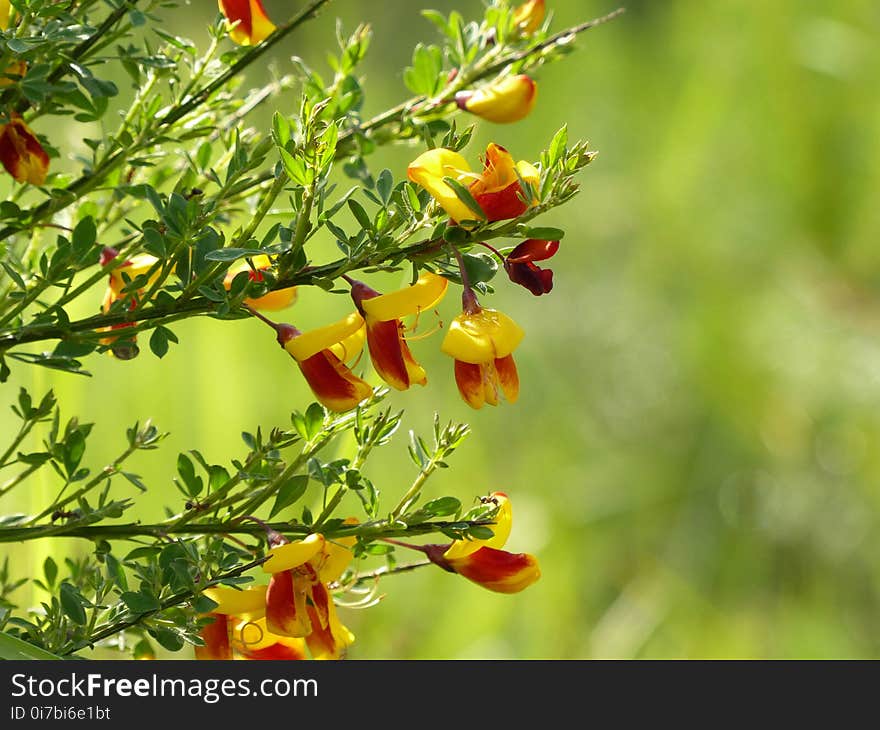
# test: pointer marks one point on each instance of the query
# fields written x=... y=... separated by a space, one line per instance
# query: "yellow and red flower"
x=271 y=302
x=482 y=342
x=298 y=600
x=321 y=356
x=521 y=269
x=497 y=190
x=251 y=25
x=120 y=278
x=528 y=17
x=382 y=315
x=507 y=100
x=484 y=562
x=239 y=631
x=22 y=154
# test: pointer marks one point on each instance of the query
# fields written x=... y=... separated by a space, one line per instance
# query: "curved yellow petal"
x=312 y=342
x=424 y=294
x=351 y=345
x=529 y=173
x=337 y=555
x=294 y=554
x=482 y=337
x=507 y=100
x=429 y=169
x=231 y=601
x=4 y=14
x=503 y=522
x=529 y=16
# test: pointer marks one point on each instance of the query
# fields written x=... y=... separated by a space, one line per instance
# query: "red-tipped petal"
x=22 y=154
x=216 y=638
x=391 y=355
x=276 y=651
x=534 y=249
x=508 y=378
x=469 y=379
x=332 y=382
x=286 y=606
x=498 y=570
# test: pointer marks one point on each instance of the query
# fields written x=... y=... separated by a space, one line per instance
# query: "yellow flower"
x=22 y=154
x=482 y=342
x=120 y=278
x=497 y=190
x=508 y=100
x=298 y=601
x=485 y=563
x=529 y=16
x=239 y=631
x=382 y=315
x=271 y=302
x=321 y=355
x=251 y=25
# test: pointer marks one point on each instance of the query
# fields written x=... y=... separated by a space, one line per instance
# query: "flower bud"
x=502 y=102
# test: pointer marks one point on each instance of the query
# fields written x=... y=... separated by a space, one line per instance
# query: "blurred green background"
x=693 y=454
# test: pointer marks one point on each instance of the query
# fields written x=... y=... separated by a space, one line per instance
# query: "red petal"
x=533 y=250
x=391 y=355
x=275 y=651
x=285 y=606
x=333 y=384
x=469 y=378
x=508 y=378
x=239 y=10
x=498 y=570
x=216 y=638
x=502 y=204
x=537 y=280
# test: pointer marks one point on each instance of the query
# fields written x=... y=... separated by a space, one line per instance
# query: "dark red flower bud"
x=521 y=269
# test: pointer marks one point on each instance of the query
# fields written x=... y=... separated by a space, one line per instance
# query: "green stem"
x=107 y=472
x=371 y=530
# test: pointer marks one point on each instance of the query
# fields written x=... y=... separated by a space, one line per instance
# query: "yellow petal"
x=482 y=337
x=4 y=14
x=529 y=16
x=312 y=342
x=529 y=173
x=351 y=345
x=337 y=555
x=505 y=101
x=429 y=169
x=294 y=554
x=503 y=521
x=424 y=294
x=231 y=601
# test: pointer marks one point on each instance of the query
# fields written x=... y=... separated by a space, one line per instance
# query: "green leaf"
x=384 y=185
x=464 y=195
x=167 y=638
x=314 y=420
x=289 y=493
x=231 y=254
x=442 y=506
x=159 y=342
x=14 y=648
x=480 y=267
x=362 y=217
x=542 y=233
x=140 y=602
x=86 y=233
x=185 y=468
x=72 y=604
x=50 y=570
